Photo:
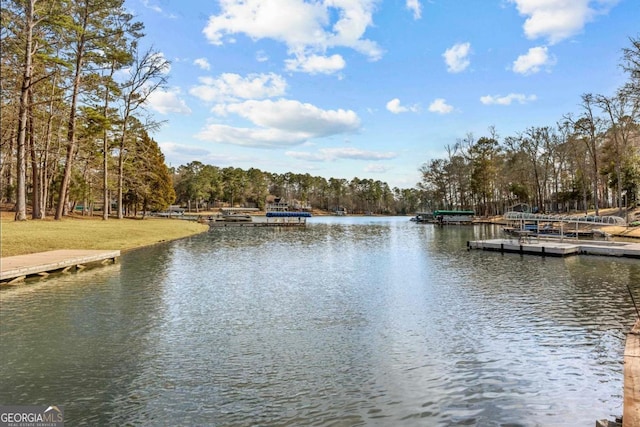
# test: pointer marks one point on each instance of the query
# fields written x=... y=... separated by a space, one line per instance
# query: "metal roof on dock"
x=582 y=219
x=288 y=214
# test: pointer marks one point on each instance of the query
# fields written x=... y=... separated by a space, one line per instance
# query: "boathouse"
x=453 y=217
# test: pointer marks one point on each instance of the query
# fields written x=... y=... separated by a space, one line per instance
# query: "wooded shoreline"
x=85 y=232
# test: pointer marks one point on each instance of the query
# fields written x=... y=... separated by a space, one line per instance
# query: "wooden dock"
x=255 y=224
x=18 y=268
x=631 y=405
x=260 y=221
x=557 y=247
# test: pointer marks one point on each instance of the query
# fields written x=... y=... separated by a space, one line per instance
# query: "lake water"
x=346 y=322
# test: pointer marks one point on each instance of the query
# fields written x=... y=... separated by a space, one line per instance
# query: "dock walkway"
x=19 y=267
x=556 y=247
x=631 y=406
x=261 y=221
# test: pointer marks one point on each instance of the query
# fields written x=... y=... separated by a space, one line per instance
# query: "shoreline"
x=20 y=265
x=33 y=236
x=127 y=234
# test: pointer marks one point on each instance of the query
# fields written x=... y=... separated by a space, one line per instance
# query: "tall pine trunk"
x=21 y=169
x=36 y=211
x=105 y=153
x=63 y=195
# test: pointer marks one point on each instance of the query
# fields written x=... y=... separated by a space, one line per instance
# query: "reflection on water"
x=350 y=321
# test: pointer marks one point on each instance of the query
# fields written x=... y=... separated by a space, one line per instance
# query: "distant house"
x=520 y=207
x=278 y=204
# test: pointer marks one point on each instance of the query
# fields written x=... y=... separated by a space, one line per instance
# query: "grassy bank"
x=17 y=238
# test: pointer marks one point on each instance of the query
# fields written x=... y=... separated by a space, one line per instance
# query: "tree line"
x=586 y=161
x=200 y=186
x=74 y=128
x=74 y=134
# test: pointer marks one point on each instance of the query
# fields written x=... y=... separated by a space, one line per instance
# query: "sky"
x=371 y=88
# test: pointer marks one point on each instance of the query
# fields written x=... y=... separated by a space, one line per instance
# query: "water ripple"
x=347 y=322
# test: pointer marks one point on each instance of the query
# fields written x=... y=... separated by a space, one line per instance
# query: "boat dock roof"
x=580 y=219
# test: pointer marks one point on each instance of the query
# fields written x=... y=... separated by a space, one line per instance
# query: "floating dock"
x=255 y=224
x=17 y=268
x=557 y=247
x=271 y=219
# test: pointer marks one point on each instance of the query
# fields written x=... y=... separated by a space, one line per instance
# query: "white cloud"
x=557 y=20
x=332 y=154
x=457 y=57
x=307 y=28
x=508 y=99
x=262 y=56
x=181 y=154
x=167 y=101
x=376 y=168
x=279 y=123
x=414 y=5
x=250 y=137
x=533 y=60
x=315 y=64
x=295 y=116
x=232 y=87
x=172 y=148
x=153 y=7
x=202 y=63
x=158 y=60
x=395 y=107
x=440 y=106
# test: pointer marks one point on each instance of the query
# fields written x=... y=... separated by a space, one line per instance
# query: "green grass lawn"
x=23 y=237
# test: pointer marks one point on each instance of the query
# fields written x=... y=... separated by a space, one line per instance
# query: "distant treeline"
x=200 y=186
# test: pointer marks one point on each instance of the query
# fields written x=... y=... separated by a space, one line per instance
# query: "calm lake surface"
x=347 y=322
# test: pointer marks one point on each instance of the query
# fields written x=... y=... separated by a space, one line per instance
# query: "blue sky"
x=371 y=88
